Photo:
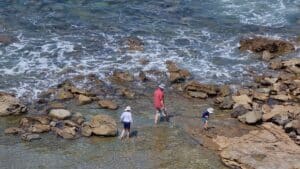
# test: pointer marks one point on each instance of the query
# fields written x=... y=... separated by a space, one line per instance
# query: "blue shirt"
x=205 y=115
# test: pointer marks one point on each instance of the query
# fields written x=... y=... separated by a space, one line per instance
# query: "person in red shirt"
x=159 y=103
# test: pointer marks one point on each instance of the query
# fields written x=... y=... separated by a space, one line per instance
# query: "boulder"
x=103 y=125
x=225 y=91
x=244 y=100
x=66 y=132
x=281 y=97
x=39 y=128
x=108 y=104
x=30 y=137
x=9 y=105
x=260 y=96
x=70 y=123
x=251 y=117
x=268 y=148
x=275 y=64
x=78 y=118
x=280 y=119
x=238 y=111
x=227 y=103
x=82 y=99
x=86 y=131
x=292 y=65
x=177 y=75
x=60 y=114
x=64 y=95
x=40 y=119
x=13 y=130
x=261 y=44
x=196 y=94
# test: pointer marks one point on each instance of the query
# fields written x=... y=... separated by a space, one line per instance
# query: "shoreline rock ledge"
x=268 y=148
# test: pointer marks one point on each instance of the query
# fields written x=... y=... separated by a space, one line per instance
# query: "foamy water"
x=61 y=40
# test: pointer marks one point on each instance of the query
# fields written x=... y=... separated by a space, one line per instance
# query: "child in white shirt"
x=126 y=119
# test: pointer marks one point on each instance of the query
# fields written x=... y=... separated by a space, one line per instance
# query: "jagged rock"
x=9 y=105
x=60 y=114
x=86 y=131
x=294 y=110
x=39 y=128
x=280 y=119
x=244 y=100
x=177 y=75
x=238 y=111
x=281 y=97
x=108 y=104
x=292 y=65
x=78 y=118
x=120 y=76
x=30 y=137
x=66 y=132
x=267 y=56
x=251 y=117
x=194 y=86
x=64 y=95
x=276 y=64
x=260 y=96
x=227 y=103
x=196 y=94
x=225 y=90
x=13 y=130
x=82 y=99
x=269 y=148
x=261 y=44
x=103 y=125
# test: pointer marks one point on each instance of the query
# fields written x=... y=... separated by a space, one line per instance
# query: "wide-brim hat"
x=210 y=110
x=128 y=108
x=162 y=86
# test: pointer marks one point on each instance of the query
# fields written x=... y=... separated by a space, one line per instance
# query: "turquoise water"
x=61 y=39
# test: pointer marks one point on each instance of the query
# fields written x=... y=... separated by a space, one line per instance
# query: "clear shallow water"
x=61 y=39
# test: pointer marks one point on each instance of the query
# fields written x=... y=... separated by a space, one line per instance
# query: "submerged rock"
x=269 y=148
x=66 y=132
x=13 y=130
x=30 y=137
x=108 y=104
x=7 y=39
x=134 y=43
x=9 y=105
x=82 y=100
x=39 y=128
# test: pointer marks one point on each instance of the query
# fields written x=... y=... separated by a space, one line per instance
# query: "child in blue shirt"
x=205 y=117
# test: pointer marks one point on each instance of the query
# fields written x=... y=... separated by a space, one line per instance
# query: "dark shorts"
x=126 y=125
x=159 y=110
x=204 y=120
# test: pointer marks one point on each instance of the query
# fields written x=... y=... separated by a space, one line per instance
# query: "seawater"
x=86 y=37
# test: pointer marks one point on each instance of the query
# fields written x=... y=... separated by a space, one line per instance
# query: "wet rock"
x=238 y=111
x=281 y=97
x=244 y=92
x=142 y=76
x=125 y=92
x=39 y=128
x=292 y=65
x=30 y=137
x=64 y=95
x=196 y=94
x=66 y=132
x=103 y=125
x=225 y=90
x=41 y=119
x=25 y=122
x=227 y=103
x=276 y=64
x=251 y=117
x=7 y=39
x=60 y=114
x=78 y=91
x=267 y=56
x=82 y=100
x=120 y=76
x=70 y=123
x=177 y=75
x=86 y=131
x=108 y=104
x=194 y=86
x=269 y=148
x=261 y=44
x=144 y=61
x=134 y=44
x=78 y=118
x=13 y=130
x=9 y=105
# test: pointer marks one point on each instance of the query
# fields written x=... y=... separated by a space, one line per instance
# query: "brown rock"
x=64 y=95
x=205 y=88
x=82 y=100
x=242 y=100
x=269 y=148
x=267 y=56
x=7 y=39
x=134 y=44
x=86 y=131
x=30 y=137
x=238 y=111
x=281 y=109
x=60 y=114
x=227 y=103
x=103 y=125
x=251 y=117
x=78 y=118
x=196 y=94
x=276 y=64
x=66 y=132
x=225 y=90
x=292 y=65
x=125 y=92
x=39 y=128
x=281 y=97
x=260 y=96
x=108 y=104
x=177 y=75
x=13 y=130
x=120 y=76
x=9 y=105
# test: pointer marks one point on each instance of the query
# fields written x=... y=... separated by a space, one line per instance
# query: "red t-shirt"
x=158 y=97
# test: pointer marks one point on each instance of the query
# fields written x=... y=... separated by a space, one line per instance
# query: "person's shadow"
x=134 y=133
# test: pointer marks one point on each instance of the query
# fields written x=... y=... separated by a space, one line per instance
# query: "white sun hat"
x=162 y=86
x=128 y=108
x=210 y=110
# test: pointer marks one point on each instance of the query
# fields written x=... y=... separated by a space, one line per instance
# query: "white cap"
x=162 y=86
x=210 y=110
x=128 y=108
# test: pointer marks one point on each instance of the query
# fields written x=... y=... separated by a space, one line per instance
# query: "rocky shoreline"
x=269 y=100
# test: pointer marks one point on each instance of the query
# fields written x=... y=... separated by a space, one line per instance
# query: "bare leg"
x=156 y=116
x=205 y=125
x=128 y=133
x=122 y=134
